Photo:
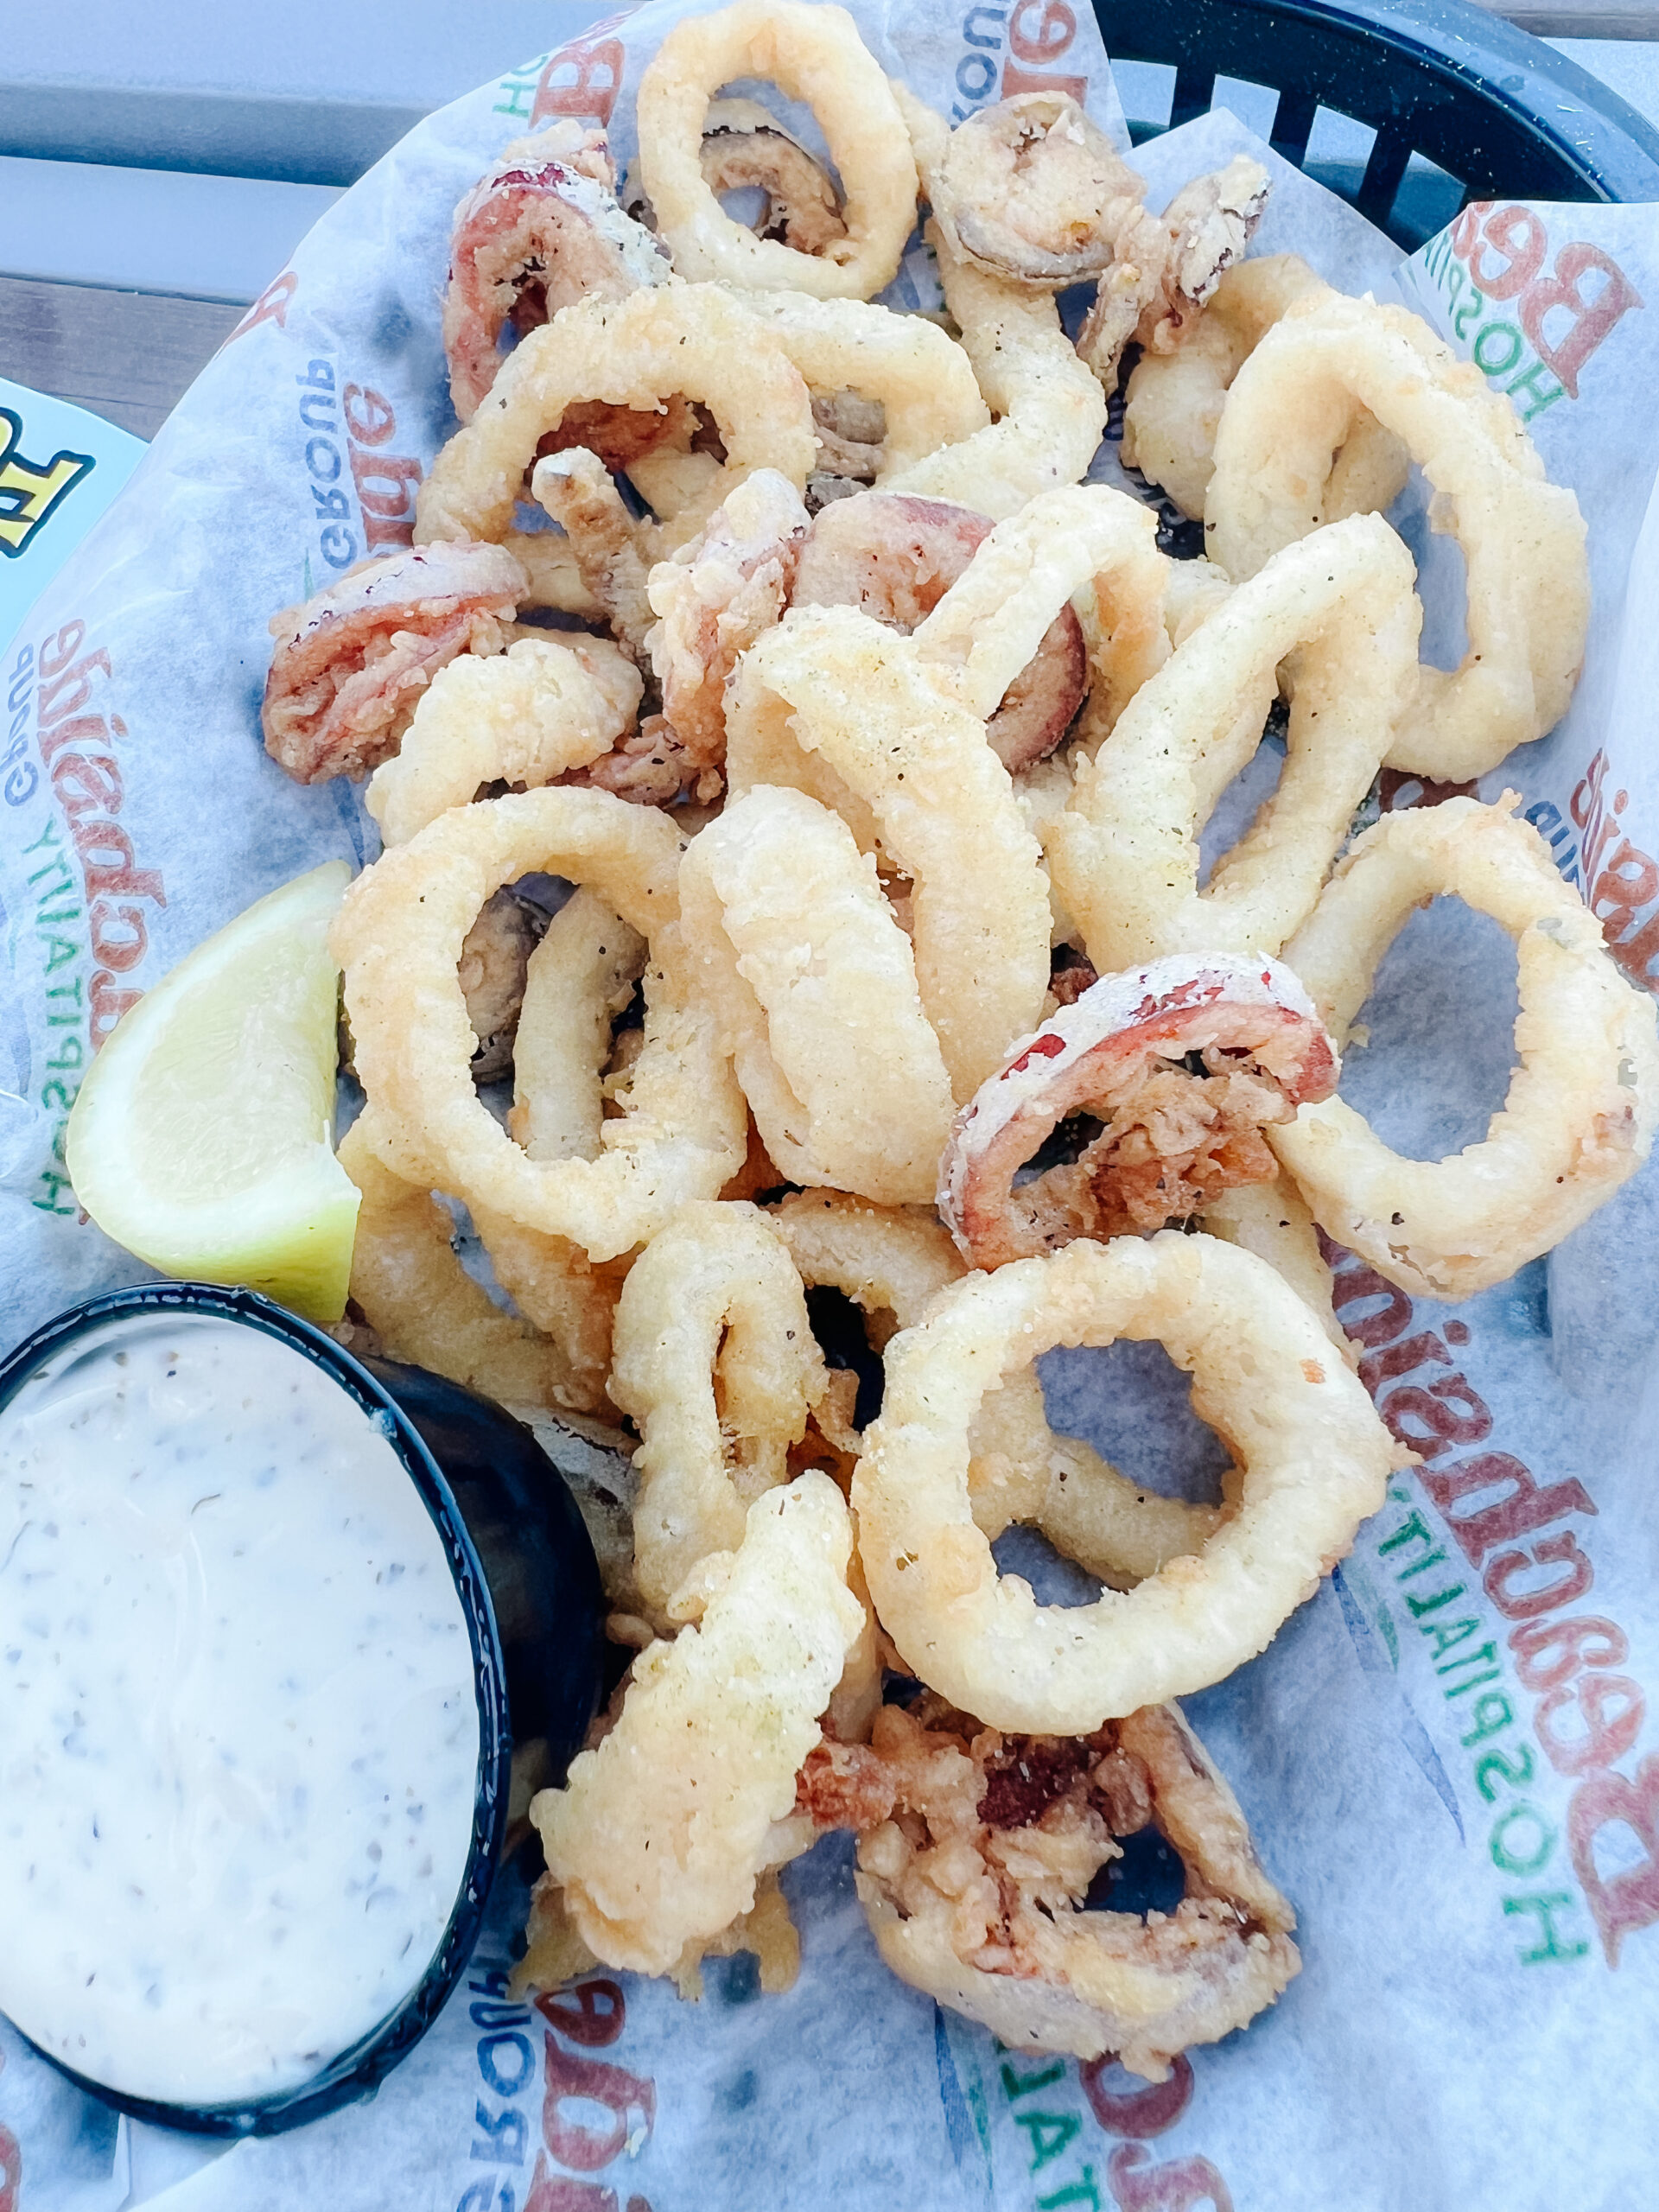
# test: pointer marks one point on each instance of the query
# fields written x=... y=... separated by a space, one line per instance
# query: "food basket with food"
x=997 y=972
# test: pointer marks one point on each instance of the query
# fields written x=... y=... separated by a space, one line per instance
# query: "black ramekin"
x=525 y=1569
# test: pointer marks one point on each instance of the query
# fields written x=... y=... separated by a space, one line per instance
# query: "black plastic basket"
x=1463 y=106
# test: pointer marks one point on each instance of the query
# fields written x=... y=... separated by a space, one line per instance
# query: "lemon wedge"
x=200 y=1138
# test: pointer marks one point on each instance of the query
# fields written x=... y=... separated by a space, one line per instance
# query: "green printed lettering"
x=1487 y=1652
x=48 y=836
x=1496 y=1762
x=1418 y=1606
x=1541 y=390
x=1050 y=2132
x=1469 y=311
x=1078 y=2192
x=1411 y=1529
x=64 y=882
x=1434 y=1559
x=1473 y=1682
x=1522 y=1861
x=1446 y=1638
x=58 y=950
x=69 y=990
x=71 y=1056
x=1021 y=2085
x=1508 y=345
x=1545 y=1903
x=59 y=919
x=1491 y=1714
x=49 y=1203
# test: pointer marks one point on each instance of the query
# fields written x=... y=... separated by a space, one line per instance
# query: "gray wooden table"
x=137 y=219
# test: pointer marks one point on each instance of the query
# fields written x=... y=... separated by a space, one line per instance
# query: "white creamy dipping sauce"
x=238 y=1726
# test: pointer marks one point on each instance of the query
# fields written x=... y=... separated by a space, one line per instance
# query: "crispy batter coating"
x=975 y=1885
x=350 y=666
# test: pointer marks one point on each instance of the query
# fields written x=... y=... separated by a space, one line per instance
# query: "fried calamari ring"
x=581 y=977
x=1174 y=1134
x=1527 y=590
x=425 y=1308
x=974 y=1887
x=717 y=1363
x=350 y=665
x=713 y=598
x=813 y=55
x=1175 y=398
x=1168 y=265
x=1272 y=1220
x=1339 y=611
x=522 y=717
x=1031 y=189
x=691 y=340
x=830 y=682
x=1579 y=1119
x=893 y=557
x=1314 y=1460
x=890 y=1263
x=539 y=230
x=1083 y=541
x=1050 y=405
x=554 y=577
x=745 y=149
x=397 y=937
x=659 y=1834
x=796 y=959
x=921 y=380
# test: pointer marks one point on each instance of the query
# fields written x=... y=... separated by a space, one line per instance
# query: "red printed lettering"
x=1589 y=319
x=630 y=2100
x=1427 y=1422
x=590 y=92
x=1604 y=1739
x=1525 y=1507
x=1141 y=2112
x=1520 y=238
x=271 y=306
x=1630 y=1899
x=592 y=2014
x=1583 y=1640
x=1181 y=2185
x=1527 y=1605
x=1041 y=37
x=368 y=416
x=57 y=656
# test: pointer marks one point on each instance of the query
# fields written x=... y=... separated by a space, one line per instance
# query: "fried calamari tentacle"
x=1183 y=1062
x=713 y=600
x=350 y=665
x=578 y=491
x=975 y=1884
x=1580 y=1116
x=717 y=1363
x=540 y=229
x=813 y=55
x=660 y=1834
x=1312 y=1460
x=524 y=717
x=1167 y=266
x=894 y=557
